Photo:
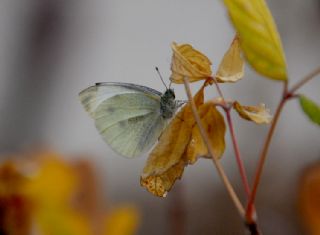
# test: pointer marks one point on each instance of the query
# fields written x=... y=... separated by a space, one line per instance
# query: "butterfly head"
x=169 y=94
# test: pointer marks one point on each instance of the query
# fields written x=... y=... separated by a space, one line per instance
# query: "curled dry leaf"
x=188 y=62
x=214 y=125
x=232 y=65
x=258 y=114
x=166 y=161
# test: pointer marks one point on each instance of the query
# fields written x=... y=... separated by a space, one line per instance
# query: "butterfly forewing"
x=123 y=107
x=93 y=96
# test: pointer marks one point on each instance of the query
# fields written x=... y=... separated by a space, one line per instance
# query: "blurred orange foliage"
x=309 y=199
x=51 y=196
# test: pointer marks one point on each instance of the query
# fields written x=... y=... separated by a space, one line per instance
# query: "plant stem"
x=306 y=79
x=238 y=155
x=217 y=164
x=234 y=142
x=249 y=213
x=252 y=226
x=287 y=94
x=218 y=88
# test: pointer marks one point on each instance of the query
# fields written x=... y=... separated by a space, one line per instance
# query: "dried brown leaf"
x=258 y=114
x=166 y=162
x=190 y=63
x=214 y=125
x=160 y=184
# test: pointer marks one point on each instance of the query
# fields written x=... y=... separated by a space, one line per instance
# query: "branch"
x=287 y=94
x=262 y=159
x=217 y=164
x=238 y=155
x=226 y=107
x=306 y=79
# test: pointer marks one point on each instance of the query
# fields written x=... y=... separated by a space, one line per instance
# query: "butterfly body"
x=129 y=117
x=168 y=104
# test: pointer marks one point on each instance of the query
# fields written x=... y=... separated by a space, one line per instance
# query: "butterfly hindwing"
x=133 y=136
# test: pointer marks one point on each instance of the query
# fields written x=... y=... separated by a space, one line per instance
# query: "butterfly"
x=129 y=117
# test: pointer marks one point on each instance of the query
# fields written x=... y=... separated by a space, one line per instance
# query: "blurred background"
x=52 y=49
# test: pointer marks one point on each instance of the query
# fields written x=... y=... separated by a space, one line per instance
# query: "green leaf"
x=310 y=108
x=259 y=38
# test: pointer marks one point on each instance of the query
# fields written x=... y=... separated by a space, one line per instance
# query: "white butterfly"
x=129 y=117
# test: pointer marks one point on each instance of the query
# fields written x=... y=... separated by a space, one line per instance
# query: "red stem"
x=249 y=212
x=252 y=225
x=238 y=155
x=250 y=208
x=287 y=94
x=234 y=142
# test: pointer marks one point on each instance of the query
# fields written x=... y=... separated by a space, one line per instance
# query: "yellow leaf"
x=258 y=114
x=215 y=127
x=122 y=221
x=166 y=163
x=259 y=37
x=232 y=65
x=190 y=63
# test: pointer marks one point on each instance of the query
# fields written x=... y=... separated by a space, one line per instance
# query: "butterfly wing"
x=93 y=96
x=126 y=115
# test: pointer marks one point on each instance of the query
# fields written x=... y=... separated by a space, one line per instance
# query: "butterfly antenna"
x=170 y=84
x=157 y=69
